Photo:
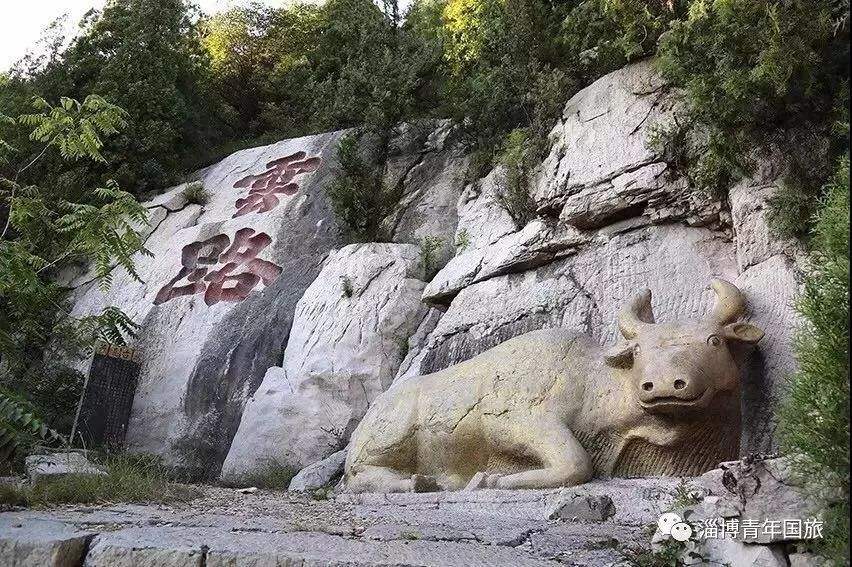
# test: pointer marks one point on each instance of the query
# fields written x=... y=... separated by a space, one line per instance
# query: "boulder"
x=735 y=553
x=349 y=335
x=757 y=491
x=320 y=474
x=56 y=465
x=601 y=167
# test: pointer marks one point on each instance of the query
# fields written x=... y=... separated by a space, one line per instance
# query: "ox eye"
x=714 y=340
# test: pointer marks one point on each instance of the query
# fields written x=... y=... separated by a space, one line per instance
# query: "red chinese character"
x=196 y=259
x=276 y=180
x=243 y=253
x=234 y=281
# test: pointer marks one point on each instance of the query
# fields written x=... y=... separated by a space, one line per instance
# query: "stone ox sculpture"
x=549 y=408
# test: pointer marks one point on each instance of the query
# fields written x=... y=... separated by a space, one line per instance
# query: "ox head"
x=679 y=367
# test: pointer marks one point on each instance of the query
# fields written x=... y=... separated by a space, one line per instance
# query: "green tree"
x=814 y=420
x=756 y=73
x=145 y=56
x=261 y=65
x=42 y=232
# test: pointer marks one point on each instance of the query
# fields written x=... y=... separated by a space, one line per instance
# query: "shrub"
x=271 y=475
x=21 y=427
x=601 y=36
x=196 y=194
x=814 y=418
x=462 y=241
x=752 y=72
x=513 y=190
x=429 y=248
x=359 y=196
x=129 y=478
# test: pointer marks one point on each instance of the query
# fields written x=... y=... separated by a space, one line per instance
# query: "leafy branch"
x=42 y=232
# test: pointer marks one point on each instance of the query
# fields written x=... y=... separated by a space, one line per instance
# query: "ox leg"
x=566 y=462
x=373 y=478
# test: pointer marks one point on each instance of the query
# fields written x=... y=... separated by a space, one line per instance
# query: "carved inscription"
x=276 y=180
x=224 y=271
x=221 y=270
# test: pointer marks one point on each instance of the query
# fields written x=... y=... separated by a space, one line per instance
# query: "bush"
x=430 y=246
x=359 y=196
x=513 y=189
x=600 y=36
x=752 y=72
x=20 y=428
x=271 y=475
x=145 y=56
x=512 y=64
x=196 y=194
x=814 y=418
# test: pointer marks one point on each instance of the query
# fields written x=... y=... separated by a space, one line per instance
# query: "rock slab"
x=321 y=474
x=349 y=335
x=55 y=465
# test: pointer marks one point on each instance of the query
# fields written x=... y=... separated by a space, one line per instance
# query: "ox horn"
x=730 y=302
x=636 y=314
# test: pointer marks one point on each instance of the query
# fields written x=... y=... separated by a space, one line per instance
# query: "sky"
x=22 y=21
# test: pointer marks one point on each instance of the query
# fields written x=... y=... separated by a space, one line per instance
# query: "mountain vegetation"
x=148 y=91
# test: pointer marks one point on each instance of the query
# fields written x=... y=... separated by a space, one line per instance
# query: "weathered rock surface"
x=41 y=542
x=614 y=218
x=320 y=474
x=349 y=335
x=446 y=529
x=431 y=171
x=41 y=467
x=488 y=527
x=594 y=509
x=585 y=292
x=601 y=167
x=759 y=490
x=218 y=294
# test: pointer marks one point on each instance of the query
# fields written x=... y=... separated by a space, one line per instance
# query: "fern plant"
x=75 y=128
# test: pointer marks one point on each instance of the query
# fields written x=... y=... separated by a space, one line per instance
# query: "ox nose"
x=664 y=387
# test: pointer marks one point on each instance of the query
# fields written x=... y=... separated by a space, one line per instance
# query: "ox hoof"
x=424 y=483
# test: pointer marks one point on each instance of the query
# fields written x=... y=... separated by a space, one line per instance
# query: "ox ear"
x=619 y=356
x=743 y=332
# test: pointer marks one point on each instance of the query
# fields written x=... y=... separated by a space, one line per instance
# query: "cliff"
x=264 y=337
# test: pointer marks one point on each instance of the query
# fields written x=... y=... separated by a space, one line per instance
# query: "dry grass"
x=129 y=478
